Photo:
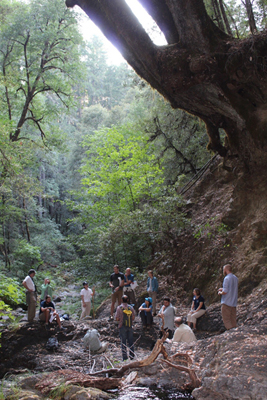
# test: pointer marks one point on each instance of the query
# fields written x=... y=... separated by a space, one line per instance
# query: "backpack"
x=127 y=316
x=52 y=344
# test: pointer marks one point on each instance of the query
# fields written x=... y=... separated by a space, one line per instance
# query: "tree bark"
x=250 y=14
x=202 y=70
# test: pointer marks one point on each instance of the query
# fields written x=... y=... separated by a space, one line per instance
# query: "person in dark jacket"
x=197 y=308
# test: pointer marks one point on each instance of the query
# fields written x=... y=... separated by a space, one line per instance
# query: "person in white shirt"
x=31 y=295
x=86 y=296
x=183 y=332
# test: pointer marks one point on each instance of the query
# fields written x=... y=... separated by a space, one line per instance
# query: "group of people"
x=47 y=311
x=177 y=330
x=123 y=292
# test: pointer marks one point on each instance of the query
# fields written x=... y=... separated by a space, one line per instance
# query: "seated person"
x=197 y=308
x=47 y=308
x=91 y=341
x=183 y=333
x=146 y=313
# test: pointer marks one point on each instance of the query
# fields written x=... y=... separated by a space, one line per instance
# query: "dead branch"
x=106 y=383
x=195 y=382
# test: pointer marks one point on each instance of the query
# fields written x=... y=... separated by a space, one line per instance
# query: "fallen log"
x=68 y=377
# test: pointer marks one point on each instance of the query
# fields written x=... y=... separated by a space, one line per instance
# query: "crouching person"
x=125 y=316
x=91 y=341
x=47 y=311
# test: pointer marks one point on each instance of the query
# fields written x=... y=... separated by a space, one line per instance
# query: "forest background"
x=92 y=159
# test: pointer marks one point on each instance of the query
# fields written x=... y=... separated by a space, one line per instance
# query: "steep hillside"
x=228 y=223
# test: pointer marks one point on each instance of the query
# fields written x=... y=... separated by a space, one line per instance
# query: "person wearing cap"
x=146 y=313
x=86 y=296
x=31 y=294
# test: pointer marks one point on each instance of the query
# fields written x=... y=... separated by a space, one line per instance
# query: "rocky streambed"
x=229 y=364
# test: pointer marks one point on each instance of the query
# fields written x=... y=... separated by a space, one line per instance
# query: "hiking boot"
x=47 y=327
x=111 y=318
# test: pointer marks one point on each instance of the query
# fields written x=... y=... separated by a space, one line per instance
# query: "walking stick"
x=93 y=301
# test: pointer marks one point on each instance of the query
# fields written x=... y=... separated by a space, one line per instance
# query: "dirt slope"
x=228 y=223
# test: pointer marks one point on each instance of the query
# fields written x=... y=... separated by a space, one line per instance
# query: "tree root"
x=68 y=377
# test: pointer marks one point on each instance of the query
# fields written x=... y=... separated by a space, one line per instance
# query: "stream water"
x=153 y=393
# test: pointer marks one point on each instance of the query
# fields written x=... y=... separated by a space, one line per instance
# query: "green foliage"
x=11 y=291
x=120 y=170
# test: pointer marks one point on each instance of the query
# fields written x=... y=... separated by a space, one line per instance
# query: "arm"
x=122 y=280
x=24 y=283
x=82 y=297
x=224 y=289
x=110 y=283
x=199 y=307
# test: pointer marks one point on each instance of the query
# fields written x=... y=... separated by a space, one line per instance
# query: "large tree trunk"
x=202 y=70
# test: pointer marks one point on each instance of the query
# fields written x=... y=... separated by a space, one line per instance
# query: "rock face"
x=233 y=364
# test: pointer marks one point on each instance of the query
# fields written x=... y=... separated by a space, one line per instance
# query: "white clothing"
x=29 y=282
x=87 y=295
x=184 y=334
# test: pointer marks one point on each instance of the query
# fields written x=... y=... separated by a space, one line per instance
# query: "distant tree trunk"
x=251 y=19
x=217 y=14
x=40 y=199
x=26 y=220
x=225 y=19
x=4 y=246
x=202 y=70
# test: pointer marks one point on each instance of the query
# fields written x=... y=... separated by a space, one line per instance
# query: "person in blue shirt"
x=229 y=293
x=128 y=282
x=146 y=313
x=152 y=289
x=197 y=309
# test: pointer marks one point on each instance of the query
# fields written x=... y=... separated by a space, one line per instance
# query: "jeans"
x=146 y=317
x=126 y=335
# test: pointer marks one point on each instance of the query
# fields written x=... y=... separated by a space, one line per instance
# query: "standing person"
x=86 y=296
x=146 y=313
x=197 y=309
x=128 y=282
x=152 y=288
x=167 y=313
x=45 y=290
x=229 y=293
x=31 y=295
x=125 y=316
x=183 y=332
x=116 y=282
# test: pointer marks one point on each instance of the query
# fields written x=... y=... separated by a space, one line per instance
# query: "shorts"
x=116 y=296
